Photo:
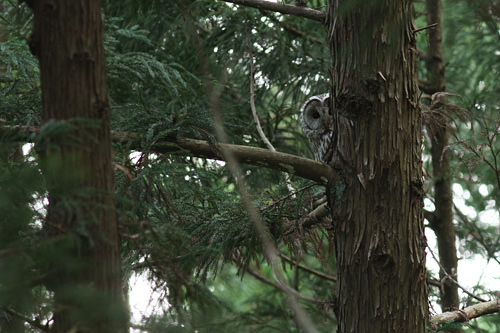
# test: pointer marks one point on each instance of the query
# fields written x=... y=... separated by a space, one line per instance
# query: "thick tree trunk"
x=442 y=219
x=76 y=161
x=377 y=212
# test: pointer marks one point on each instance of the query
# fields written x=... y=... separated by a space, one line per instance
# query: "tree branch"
x=300 y=166
x=293 y=30
x=262 y=278
x=448 y=277
x=35 y=323
x=256 y=120
x=471 y=312
x=309 y=13
x=475 y=232
x=292 y=164
x=309 y=269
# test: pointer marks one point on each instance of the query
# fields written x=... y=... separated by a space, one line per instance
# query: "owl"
x=317 y=124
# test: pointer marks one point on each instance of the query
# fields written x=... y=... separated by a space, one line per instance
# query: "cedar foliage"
x=181 y=220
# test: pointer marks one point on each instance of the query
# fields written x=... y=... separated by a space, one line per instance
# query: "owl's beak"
x=326 y=123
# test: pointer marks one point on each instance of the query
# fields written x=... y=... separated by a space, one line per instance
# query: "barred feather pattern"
x=316 y=122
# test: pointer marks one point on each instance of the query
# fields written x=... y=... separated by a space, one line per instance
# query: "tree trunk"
x=442 y=219
x=75 y=145
x=377 y=211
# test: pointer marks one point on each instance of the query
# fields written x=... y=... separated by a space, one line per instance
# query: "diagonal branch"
x=309 y=13
x=34 y=323
x=448 y=277
x=309 y=269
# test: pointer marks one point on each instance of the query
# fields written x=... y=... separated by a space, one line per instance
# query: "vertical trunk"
x=76 y=148
x=442 y=221
x=378 y=212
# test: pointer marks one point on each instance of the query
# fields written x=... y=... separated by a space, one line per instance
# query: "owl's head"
x=314 y=115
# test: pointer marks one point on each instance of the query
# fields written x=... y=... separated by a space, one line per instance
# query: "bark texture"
x=378 y=216
x=442 y=219
x=75 y=145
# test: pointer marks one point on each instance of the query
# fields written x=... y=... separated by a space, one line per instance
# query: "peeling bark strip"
x=380 y=244
x=68 y=42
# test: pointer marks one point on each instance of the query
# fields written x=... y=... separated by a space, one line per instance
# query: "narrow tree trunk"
x=377 y=212
x=76 y=161
x=442 y=221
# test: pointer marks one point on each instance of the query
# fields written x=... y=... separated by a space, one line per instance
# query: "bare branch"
x=309 y=13
x=448 y=277
x=309 y=269
x=293 y=30
x=300 y=166
x=425 y=28
x=252 y=102
x=255 y=115
x=435 y=283
x=475 y=232
x=269 y=248
x=288 y=196
x=35 y=323
x=425 y=86
x=262 y=278
x=466 y=314
x=292 y=164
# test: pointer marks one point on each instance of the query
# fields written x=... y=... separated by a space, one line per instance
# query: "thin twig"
x=271 y=252
x=292 y=29
x=35 y=323
x=449 y=277
x=474 y=234
x=425 y=28
x=252 y=102
x=309 y=269
x=252 y=91
x=289 y=195
x=262 y=278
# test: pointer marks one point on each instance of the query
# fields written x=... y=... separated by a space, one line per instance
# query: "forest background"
x=181 y=220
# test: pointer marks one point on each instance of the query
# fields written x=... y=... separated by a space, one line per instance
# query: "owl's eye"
x=316 y=115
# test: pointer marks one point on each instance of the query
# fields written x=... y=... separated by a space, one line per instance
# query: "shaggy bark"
x=377 y=212
x=76 y=161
